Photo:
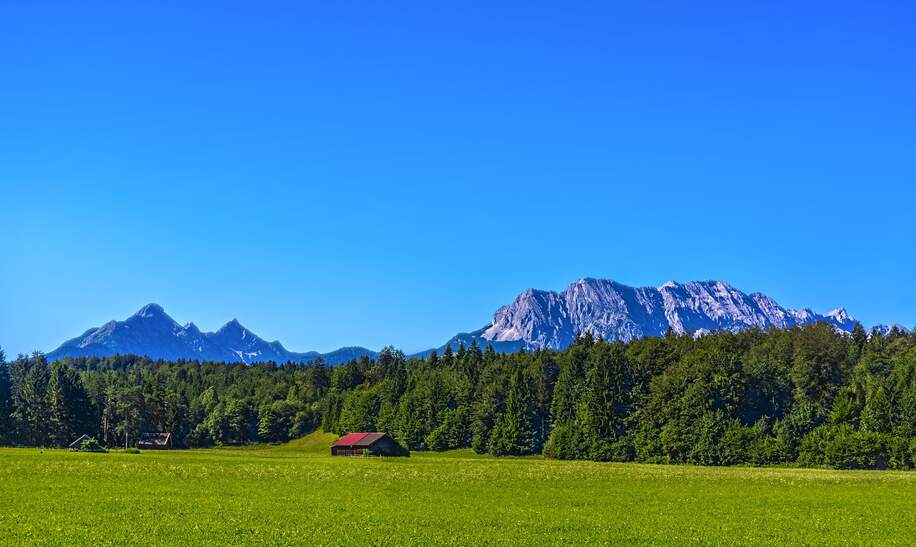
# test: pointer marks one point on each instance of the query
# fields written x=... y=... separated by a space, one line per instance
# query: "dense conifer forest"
x=805 y=396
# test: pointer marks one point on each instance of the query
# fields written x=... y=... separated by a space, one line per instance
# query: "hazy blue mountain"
x=344 y=355
x=151 y=332
x=467 y=337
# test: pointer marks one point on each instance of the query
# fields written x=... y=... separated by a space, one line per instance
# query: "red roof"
x=359 y=439
x=350 y=439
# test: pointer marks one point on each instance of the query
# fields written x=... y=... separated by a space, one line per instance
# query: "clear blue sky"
x=374 y=173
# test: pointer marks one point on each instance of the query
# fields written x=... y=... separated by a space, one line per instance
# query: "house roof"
x=156 y=438
x=79 y=441
x=370 y=439
x=359 y=439
x=350 y=439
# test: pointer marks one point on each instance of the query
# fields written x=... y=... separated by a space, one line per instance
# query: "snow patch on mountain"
x=613 y=311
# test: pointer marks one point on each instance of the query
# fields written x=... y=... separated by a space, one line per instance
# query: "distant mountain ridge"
x=614 y=311
x=535 y=319
x=605 y=308
x=153 y=333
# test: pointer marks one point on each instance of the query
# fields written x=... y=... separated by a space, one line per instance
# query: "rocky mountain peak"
x=616 y=311
x=151 y=310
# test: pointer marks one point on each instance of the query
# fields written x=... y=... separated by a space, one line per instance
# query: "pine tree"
x=175 y=417
x=6 y=403
x=69 y=404
x=109 y=414
x=859 y=338
x=129 y=407
x=489 y=355
x=546 y=372
x=30 y=403
x=878 y=413
x=600 y=412
x=515 y=429
x=472 y=361
x=447 y=356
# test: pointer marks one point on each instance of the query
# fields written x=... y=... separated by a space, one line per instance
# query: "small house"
x=367 y=444
x=156 y=441
x=77 y=444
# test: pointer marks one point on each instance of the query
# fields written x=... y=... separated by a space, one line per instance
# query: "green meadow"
x=296 y=494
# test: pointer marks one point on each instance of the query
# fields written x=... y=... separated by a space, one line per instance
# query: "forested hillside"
x=806 y=395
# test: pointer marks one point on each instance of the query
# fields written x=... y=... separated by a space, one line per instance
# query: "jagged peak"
x=232 y=325
x=592 y=281
x=705 y=305
x=147 y=333
x=707 y=283
x=840 y=314
x=150 y=310
x=531 y=292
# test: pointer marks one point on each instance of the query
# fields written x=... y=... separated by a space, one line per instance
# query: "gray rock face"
x=605 y=308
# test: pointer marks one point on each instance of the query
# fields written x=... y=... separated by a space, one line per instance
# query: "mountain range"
x=535 y=319
x=153 y=333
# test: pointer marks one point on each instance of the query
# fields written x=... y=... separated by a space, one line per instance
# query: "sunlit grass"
x=295 y=493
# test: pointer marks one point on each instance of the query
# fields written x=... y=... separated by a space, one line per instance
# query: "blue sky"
x=337 y=173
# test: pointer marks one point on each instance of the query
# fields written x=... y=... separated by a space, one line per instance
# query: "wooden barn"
x=156 y=441
x=367 y=444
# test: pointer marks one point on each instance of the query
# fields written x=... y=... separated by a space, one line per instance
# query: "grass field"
x=296 y=494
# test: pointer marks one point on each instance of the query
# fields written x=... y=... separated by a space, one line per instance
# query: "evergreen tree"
x=877 y=416
x=859 y=340
x=473 y=360
x=601 y=411
x=488 y=404
x=108 y=414
x=409 y=428
x=807 y=395
x=31 y=413
x=489 y=355
x=6 y=402
x=515 y=429
x=176 y=419
x=128 y=408
x=546 y=372
x=447 y=356
x=820 y=364
x=330 y=417
x=71 y=413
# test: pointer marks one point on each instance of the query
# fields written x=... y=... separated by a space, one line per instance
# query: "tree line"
x=805 y=396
